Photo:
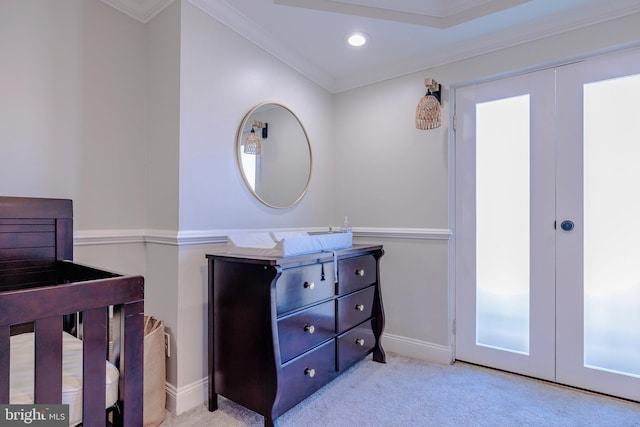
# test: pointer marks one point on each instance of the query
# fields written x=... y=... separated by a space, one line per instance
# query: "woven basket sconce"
x=428 y=111
x=253 y=143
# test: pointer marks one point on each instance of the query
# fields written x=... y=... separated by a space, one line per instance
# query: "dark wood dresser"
x=281 y=328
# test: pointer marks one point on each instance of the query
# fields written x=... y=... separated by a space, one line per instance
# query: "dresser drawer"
x=304 y=375
x=354 y=308
x=356 y=273
x=301 y=286
x=306 y=329
x=355 y=344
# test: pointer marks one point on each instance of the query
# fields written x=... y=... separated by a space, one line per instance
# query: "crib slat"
x=94 y=350
x=4 y=362
x=132 y=361
x=48 y=356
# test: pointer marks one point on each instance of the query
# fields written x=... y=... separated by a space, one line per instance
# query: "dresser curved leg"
x=378 y=323
x=213 y=402
x=271 y=422
x=378 y=354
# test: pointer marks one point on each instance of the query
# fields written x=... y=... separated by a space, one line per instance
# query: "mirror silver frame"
x=239 y=148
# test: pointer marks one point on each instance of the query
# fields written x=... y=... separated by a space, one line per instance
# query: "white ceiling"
x=405 y=35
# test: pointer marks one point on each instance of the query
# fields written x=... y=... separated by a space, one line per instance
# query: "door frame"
x=453 y=162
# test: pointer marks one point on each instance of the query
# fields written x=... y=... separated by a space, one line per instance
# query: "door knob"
x=567 y=225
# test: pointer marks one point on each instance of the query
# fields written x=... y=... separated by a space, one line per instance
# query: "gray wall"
x=72 y=108
x=223 y=76
x=137 y=122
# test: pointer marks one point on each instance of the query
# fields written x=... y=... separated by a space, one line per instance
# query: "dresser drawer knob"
x=360 y=272
x=309 y=328
x=359 y=307
x=309 y=285
x=360 y=341
x=310 y=372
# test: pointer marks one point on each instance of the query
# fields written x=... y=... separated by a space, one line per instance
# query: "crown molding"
x=141 y=10
x=435 y=14
x=256 y=34
x=477 y=47
x=223 y=11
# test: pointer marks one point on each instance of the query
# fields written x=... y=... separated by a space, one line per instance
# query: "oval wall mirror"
x=274 y=155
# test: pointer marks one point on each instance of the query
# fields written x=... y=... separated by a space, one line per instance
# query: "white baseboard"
x=417 y=349
x=187 y=397
x=194 y=394
x=172 y=398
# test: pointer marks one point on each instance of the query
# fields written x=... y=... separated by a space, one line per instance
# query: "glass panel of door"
x=502 y=203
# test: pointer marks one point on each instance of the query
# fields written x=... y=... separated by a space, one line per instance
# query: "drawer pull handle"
x=360 y=272
x=359 y=307
x=310 y=372
x=309 y=285
x=360 y=341
x=309 y=328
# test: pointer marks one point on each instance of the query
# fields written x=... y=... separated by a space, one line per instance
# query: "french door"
x=547 y=230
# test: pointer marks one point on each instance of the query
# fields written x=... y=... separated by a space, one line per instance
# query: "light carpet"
x=407 y=392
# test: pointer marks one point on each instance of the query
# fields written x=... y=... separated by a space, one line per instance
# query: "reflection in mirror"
x=274 y=155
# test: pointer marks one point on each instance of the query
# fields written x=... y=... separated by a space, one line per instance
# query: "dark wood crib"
x=43 y=291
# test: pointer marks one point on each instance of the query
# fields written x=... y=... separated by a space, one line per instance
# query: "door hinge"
x=453 y=326
x=454 y=122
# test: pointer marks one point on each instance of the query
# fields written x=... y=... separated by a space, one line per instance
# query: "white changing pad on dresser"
x=21 y=374
x=284 y=244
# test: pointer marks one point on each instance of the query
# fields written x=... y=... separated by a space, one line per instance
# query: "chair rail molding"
x=206 y=237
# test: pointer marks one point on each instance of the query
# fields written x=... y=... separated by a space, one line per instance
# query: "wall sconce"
x=253 y=143
x=428 y=112
x=262 y=125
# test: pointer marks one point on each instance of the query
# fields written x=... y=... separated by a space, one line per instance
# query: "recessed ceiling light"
x=357 y=39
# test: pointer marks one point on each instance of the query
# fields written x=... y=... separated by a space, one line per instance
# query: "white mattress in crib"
x=21 y=374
